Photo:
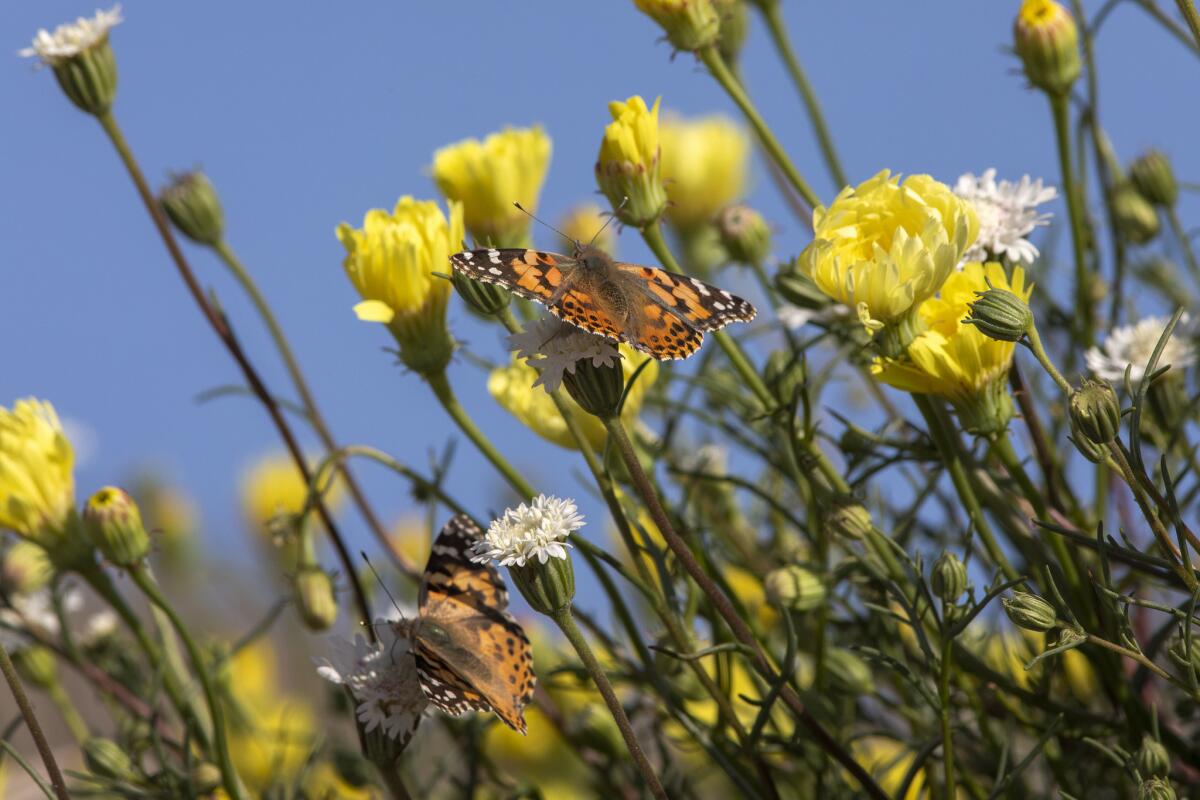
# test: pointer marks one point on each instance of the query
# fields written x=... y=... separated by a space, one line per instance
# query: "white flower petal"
x=1007 y=215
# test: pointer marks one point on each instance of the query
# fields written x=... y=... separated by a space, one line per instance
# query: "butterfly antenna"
x=608 y=221
x=382 y=585
x=523 y=210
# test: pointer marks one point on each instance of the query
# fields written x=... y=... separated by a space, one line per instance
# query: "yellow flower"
x=884 y=247
x=488 y=177
x=273 y=489
x=411 y=538
x=689 y=24
x=391 y=261
x=704 y=163
x=37 y=484
x=512 y=387
x=323 y=782
x=628 y=168
x=748 y=588
x=583 y=223
x=888 y=761
x=956 y=360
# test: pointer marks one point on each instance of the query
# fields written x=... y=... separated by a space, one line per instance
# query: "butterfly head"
x=592 y=258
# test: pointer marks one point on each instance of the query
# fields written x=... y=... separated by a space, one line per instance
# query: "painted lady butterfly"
x=470 y=652
x=658 y=312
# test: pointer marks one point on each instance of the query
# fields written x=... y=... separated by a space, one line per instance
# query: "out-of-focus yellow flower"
x=1009 y=652
x=884 y=247
x=391 y=260
x=512 y=387
x=704 y=165
x=541 y=752
x=411 y=538
x=748 y=589
x=689 y=24
x=888 y=761
x=488 y=177
x=955 y=360
x=25 y=568
x=37 y=484
x=628 y=168
x=272 y=735
x=583 y=223
x=273 y=487
x=323 y=782
x=173 y=519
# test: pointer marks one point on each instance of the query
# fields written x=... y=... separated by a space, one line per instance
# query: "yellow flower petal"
x=374 y=311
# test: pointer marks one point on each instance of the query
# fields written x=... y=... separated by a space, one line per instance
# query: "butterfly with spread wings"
x=470 y=652
x=658 y=312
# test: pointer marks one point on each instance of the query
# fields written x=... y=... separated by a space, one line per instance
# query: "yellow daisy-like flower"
x=488 y=176
x=37 y=483
x=704 y=165
x=512 y=387
x=628 y=167
x=956 y=360
x=585 y=223
x=391 y=260
x=273 y=487
x=884 y=247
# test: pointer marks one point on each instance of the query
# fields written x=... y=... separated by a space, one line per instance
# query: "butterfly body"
x=658 y=312
x=470 y=652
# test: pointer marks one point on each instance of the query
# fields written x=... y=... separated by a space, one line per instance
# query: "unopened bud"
x=948 y=578
x=849 y=519
x=26 y=568
x=1152 y=175
x=107 y=759
x=745 y=235
x=192 y=205
x=794 y=587
x=689 y=24
x=1096 y=412
x=314 y=598
x=485 y=299
x=1000 y=314
x=1030 y=612
x=36 y=665
x=1047 y=42
x=849 y=672
x=1153 y=759
x=1156 y=789
x=1133 y=216
x=114 y=524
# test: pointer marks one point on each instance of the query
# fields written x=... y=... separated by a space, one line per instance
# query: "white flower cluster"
x=1007 y=214
x=528 y=532
x=553 y=347
x=71 y=38
x=382 y=677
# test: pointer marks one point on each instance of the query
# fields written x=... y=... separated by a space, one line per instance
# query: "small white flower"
x=795 y=317
x=553 y=347
x=537 y=530
x=99 y=626
x=1132 y=345
x=1007 y=213
x=71 y=38
x=382 y=677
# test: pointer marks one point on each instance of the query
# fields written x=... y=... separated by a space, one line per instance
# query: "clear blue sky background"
x=305 y=118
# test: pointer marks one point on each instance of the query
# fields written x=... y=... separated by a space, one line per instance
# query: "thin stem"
x=75 y=723
x=1132 y=654
x=947 y=726
x=220 y=327
x=445 y=395
x=1188 y=9
x=1039 y=352
x=1184 y=571
x=31 y=722
x=395 y=786
x=1185 y=244
x=720 y=71
x=566 y=623
x=315 y=417
x=1060 y=107
x=783 y=44
x=229 y=778
x=741 y=631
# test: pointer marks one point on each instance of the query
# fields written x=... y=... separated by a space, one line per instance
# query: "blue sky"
x=305 y=118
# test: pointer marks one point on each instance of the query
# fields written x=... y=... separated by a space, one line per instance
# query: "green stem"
x=947 y=728
x=395 y=786
x=945 y=438
x=445 y=395
x=566 y=623
x=1185 y=571
x=31 y=722
x=720 y=71
x=1039 y=352
x=1185 y=244
x=200 y=667
x=1002 y=449
x=783 y=44
x=315 y=417
x=1060 y=107
x=721 y=603
x=75 y=723
x=1188 y=9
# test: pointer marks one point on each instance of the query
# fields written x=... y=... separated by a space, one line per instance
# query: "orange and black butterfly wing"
x=471 y=653
x=532 y=274
x=701 y=305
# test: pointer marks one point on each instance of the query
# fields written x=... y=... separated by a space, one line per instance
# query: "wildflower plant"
x=923 y=527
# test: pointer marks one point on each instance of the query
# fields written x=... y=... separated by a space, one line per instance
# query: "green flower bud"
x=799 y=289
x=114 y=525
x=36 y=665
x=1133 y=216
x=107 y=759
x=314 y=598
x=1047 y=42
x=784 y=375
x=745 y=235
x=1096 y=412
x=1156 y=789
x=548 y=587
x=205 y=777
x=734 y=24
x=1000 y=314
x=849 y=672
x=192 y=205
x=689 y=24
x=1095 y=453
x=794 y=587
x=1030 y=612
x=1153 y=759
x=485 y=299
x=26 y=568
x=597 y=390
x=1152 y=175
x=848 y=519
x=948 y=578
